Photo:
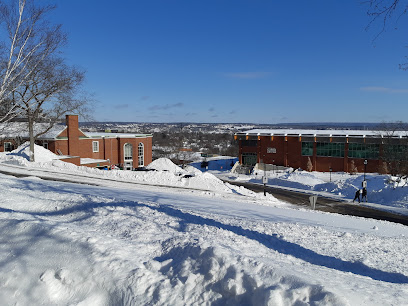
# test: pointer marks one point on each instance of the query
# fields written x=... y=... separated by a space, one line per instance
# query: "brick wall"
x=73 y=135
x=75 y=143
x=12 y=141
x=289 y=153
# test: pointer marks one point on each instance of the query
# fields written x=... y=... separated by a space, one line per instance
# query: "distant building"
x=84 y=148
x=338 y=150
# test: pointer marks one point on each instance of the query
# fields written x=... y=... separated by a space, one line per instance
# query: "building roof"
x=115 y=135
x=20 y=129
x=324 y=133
x=85 y=161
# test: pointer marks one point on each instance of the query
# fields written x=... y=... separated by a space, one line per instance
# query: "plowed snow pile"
x=21 y=155
x=165 y=173
x=165 y=164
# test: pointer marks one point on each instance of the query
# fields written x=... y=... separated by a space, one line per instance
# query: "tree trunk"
x=31 y=134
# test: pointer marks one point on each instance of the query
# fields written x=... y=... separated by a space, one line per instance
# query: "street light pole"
x=330 y=169
x=264 y=177
x=364 y=182
x=273 y=166
x=365 y=168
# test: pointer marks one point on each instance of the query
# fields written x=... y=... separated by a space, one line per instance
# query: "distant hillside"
x=138 y=127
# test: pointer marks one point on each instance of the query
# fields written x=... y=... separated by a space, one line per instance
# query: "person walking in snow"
x=364 y=195
x=357 y=195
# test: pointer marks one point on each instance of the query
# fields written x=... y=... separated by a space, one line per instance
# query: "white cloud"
x=383 y=89
x=165 y=107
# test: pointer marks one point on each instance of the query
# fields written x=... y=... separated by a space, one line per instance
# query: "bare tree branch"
x=395 y=148
x=36 y=84
x=31 y=39
x=385 y=11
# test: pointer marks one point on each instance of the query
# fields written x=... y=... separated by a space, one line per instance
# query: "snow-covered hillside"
x=135 y=244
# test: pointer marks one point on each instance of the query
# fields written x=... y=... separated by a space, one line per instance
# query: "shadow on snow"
x=272 y=242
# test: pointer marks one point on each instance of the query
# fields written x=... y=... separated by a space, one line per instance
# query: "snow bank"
x=164 y=164
x=166 y=172
x=301 y=177
x=40 y=153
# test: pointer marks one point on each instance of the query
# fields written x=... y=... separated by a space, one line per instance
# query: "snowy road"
x=327 y=204
x=335 y=205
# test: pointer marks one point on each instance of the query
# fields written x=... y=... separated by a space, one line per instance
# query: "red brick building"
x=338 y=150
x=89 y=149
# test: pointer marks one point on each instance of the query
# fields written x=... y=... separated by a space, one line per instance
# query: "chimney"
x=73 y=134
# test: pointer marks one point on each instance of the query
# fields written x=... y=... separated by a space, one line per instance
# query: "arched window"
x=140 y=153
x=128 y=156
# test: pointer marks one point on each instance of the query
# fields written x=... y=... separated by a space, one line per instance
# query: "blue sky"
x=256 y=61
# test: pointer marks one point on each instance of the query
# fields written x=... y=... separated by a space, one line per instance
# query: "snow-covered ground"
x=126 y=242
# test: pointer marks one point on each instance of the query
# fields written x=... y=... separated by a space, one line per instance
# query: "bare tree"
x=383 y=168
x=36 y=85
x=49 y=93
x=395 y=148
x=30 y=40
x=309 y=166
x=353 y=168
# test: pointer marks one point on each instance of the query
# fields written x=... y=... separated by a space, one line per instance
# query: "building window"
x=362 y=150
x=332 y=149
x=140 y=154
x=45 y=145
x=128 y=152
x=307 y=148
x=395 y=152
x=249 y=159
x=95 y=146
x=8 y=147
x=128 y=156
x=249 y=143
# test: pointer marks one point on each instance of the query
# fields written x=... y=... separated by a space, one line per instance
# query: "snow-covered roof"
x=20 y=129
x=322 y=133
x=85 y=161
x=115 y=135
